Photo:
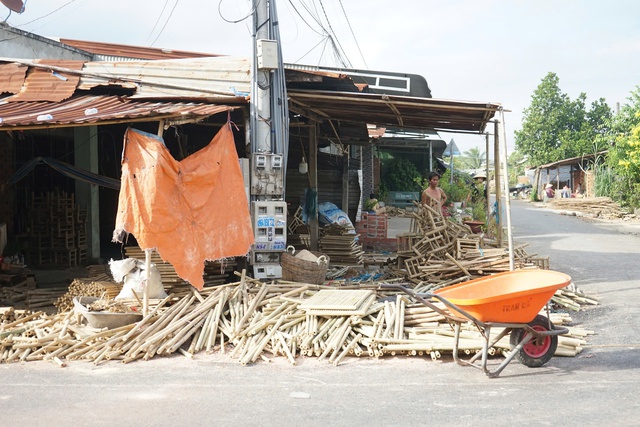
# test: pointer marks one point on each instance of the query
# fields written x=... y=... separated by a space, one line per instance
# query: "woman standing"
x=433 y=195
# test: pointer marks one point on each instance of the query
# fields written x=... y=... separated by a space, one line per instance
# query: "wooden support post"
x=496 y=162
x=313 y=184
x=345 y=179
x=147 y=273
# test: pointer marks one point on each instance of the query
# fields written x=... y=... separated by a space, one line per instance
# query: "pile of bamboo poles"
x=99 y=273
x=39 y=298
x=250 y=321
x=85 y=288
x=572 y=299
x=597 y=207
x=17 y=293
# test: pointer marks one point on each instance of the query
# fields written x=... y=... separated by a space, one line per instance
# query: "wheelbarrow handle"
x=421 y=298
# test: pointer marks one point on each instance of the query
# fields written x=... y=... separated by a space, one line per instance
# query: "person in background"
x=479 y=190
x=434 y=196
x=578 y=192
x=372 y=205
x=566 y=192
x=549 y=192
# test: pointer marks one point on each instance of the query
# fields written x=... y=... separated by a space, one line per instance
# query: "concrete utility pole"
x=269 y=143
x=261 y=84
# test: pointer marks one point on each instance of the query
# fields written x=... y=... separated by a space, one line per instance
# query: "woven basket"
x=299 y=270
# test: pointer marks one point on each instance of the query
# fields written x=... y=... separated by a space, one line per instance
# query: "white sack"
x=135 y=278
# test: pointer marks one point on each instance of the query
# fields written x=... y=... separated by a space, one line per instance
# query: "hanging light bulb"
x=303 y=167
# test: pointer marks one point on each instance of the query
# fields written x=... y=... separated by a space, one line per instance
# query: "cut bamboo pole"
x=347 y=349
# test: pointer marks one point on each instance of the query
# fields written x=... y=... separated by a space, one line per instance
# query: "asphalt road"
x=598 y=387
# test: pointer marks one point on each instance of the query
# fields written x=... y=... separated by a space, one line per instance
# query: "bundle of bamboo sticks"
x=598 y=207
x=85 y=288
x=252 y=321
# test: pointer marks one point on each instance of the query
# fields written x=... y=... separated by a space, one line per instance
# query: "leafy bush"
x=401 y=175
x=457 y=191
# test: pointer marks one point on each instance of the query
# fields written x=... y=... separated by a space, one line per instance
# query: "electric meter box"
x=267 y=174
x=267 y=271
x=269 y=225
x=267 y=54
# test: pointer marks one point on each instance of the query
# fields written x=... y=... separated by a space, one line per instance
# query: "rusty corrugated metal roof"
x=228 y=79
x=203 y=78
x=99 y=109
x=12 y=77
x=186 y=78
x=43 y=84
x=394 y=111
x=136 y=52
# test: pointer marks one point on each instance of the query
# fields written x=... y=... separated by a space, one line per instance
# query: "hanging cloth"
x=189 y=211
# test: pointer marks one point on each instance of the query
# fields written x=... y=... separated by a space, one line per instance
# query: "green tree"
x=543 y=122
x=554 y=127
x=401 y=175
x=473 y=158
x=623 y=160
x=627 y=118
x=459 y=162
x=515 y=165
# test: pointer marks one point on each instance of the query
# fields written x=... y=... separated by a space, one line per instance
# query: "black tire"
x=536 y=352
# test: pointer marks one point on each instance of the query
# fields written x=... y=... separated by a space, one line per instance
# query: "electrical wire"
x=48 y=14
x=247 y=16
x=327 y=34
x=353 y=34
x=165 y=23
x=158 y=20
x=312 y=49
x=334 y=39
x=304 y=20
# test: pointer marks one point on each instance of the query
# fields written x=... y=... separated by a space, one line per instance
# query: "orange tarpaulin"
x=189 y=211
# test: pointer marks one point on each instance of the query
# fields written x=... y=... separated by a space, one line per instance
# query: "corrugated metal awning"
x=12 y=77
x=183 y=78
x=42 y=84
x=394 y=111
x=218 y=78
x=133 y=52
x=86 y=110
x=573 y=160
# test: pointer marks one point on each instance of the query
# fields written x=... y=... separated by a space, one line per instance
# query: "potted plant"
x=458 y=191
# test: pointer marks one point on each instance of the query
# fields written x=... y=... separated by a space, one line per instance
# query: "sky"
x=484 y=51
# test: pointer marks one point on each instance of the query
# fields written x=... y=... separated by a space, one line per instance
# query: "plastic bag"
x=119 y=269
x=328 y=213
x=132 y=271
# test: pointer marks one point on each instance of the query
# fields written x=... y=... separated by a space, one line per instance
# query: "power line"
x=158 y=20
x=353 y=34
x=48 y=14
x=328 y=35
x=247 y=16
x=165 y=22
x=304 y=20
x=313 y=48
x=335 y=42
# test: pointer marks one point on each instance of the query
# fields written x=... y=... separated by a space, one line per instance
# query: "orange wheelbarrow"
x=509 y=300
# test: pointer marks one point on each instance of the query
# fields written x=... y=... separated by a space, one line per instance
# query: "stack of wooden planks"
x=341 y=245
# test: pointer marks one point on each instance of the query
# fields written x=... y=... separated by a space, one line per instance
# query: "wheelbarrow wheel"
x=538 y=351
